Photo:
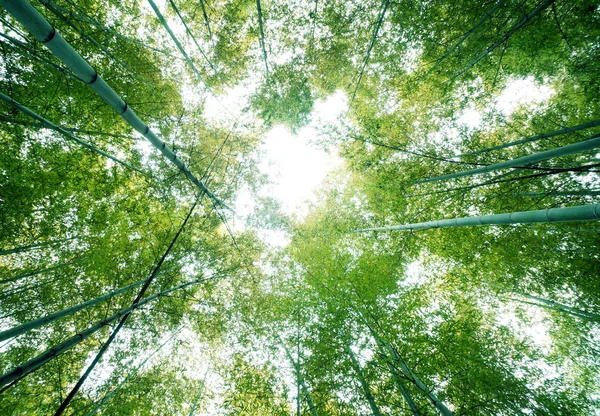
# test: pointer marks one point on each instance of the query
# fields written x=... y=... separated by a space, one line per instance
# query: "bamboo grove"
x=448 y=265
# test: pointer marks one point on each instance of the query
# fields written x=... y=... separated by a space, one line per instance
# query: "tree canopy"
x=447 y=265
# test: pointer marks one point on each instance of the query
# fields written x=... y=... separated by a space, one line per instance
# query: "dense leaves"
x=469 y=321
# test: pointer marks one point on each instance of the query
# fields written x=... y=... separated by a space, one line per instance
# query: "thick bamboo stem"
x=571 y=149
x=578 y=213
x=43 y=31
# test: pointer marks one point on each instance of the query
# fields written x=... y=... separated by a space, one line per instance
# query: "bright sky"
x=295 y=165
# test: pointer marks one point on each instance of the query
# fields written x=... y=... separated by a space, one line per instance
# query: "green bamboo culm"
x=567 y=130
x=131 y=374
x=262 y=36
x=36 y=323
x=309 y=400
x=571 y=149
x=481 y=21
x=43 y=31
x=589 y=212
x=66 y=133
x=524 y=21
x=22 y=249
x=199 y=395
x=177 y=43
x=363 y=382
x=38 y=361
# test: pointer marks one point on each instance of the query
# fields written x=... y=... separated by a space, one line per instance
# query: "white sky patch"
x=295 y=166
x=525 y=92
x=221 y=109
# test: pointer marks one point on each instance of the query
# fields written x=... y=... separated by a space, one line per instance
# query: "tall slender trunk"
x=206 y=22
x=583 y=192
x=132 y=374
x=380 y=19
x=577 y=213
x=44 y=320
x=65 y=133
x=507 y=35
x=311 y=404
x=537 y=137
x=391 y=352
x=417 y=382
x=398 y=380
x=69 y=129
x=34 y=246
x=48 y=269
x=560 y=307
x=571 y=149
x=30 y=366
x=461 y=40
x=496 y=180
x=113 y=335
x=199 y=395
x=43 y=31
x=363 y=381
x=189 y=32
x=177 y=43
x=262 y=36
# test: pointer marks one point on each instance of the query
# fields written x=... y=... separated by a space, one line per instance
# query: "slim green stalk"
x=537 y=137
x=507 y=35
x=14 y=120
x=206 y=22
x=65 y=133
x=384 y=7
x=40 y=271
x=363 y=382
x=30 y=366
x=311 y=404
x=65 y=403
x=398 y=380
x=189 y=32
x=34 y=246
x=577 y=213
x=177 y=43
x=131 y=375
x=43 y=31
x=44 y=320
x=464 y=37
x=571 y=149
x=199 y=395
x=262 y=36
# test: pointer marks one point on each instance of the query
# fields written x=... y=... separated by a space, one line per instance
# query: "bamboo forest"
x=299 y=207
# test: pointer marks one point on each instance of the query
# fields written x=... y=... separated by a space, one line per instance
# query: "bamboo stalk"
x=43 y=31
x=363 y=382
x=38 y=361
x=34 y=246
x=577 y=213
x=537 y=137
x=65 y=403
x=67 y=134
x=262 y=36
x=44 y=320
x=507 y=35
x=571 y=149
x=131 y=375
x=460 y=42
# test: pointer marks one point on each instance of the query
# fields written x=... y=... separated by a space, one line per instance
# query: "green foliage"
x=487 y=320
